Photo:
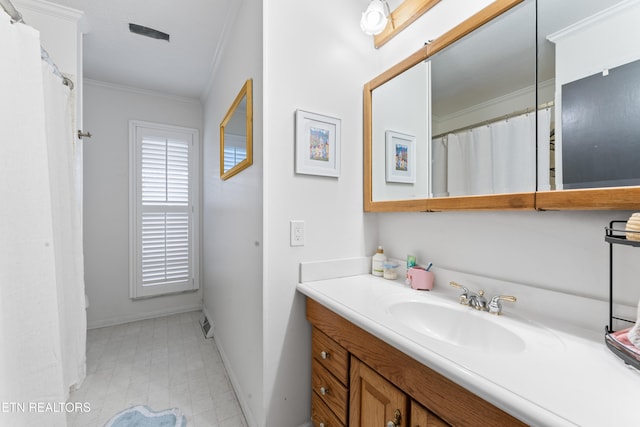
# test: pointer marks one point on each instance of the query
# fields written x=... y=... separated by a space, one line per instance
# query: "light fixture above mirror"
x=378 y=20
x=374 y=19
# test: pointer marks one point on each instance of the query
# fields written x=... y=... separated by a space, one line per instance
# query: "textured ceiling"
x=182 y=66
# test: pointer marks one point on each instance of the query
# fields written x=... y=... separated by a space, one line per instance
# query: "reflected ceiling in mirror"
x=236 y=134
x=483 y=109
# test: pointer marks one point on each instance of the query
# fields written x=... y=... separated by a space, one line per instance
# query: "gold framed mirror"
x=236 y=134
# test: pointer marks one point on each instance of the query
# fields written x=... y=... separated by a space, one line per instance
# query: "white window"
x=163 y=217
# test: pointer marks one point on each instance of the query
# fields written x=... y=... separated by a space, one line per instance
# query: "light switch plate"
x=297 y=233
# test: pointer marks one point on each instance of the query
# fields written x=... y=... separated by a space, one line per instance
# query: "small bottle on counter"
x=390 y=270
x=377 y=262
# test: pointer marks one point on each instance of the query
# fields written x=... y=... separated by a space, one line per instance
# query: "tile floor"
x=162 y=363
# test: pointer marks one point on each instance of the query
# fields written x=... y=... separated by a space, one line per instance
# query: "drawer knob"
x=324 y=391
x=321 y=425
x=397 y=416
x=324 y=354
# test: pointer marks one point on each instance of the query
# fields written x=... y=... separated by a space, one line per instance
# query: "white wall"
x=562 y=251
x=316 y=59
x=108 y=109
x=232 y=217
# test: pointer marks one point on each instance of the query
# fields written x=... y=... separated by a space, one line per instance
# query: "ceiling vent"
x=148 y=32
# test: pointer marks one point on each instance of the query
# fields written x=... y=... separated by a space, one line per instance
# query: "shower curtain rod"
x=16 y=17
x=497 y=119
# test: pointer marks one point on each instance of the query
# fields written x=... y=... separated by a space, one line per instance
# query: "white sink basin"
x=458 y=325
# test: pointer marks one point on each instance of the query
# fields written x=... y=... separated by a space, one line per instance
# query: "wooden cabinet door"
x=374 y=401
x=422 y=417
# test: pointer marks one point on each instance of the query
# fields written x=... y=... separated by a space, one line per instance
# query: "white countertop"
x=558 y=379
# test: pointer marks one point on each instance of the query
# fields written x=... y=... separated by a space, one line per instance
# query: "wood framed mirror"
x=236 y=134
x=382 y=195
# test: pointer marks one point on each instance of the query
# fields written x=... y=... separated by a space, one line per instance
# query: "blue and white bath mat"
x=143 y=416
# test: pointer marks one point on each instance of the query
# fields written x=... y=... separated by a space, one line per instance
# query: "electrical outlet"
x=297 y=233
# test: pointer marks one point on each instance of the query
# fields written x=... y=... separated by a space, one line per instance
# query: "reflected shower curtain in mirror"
x=514 y=154
x=544 y=149
x=491 y=159
x=42 y=316
x=439 y=167
x=458 y=159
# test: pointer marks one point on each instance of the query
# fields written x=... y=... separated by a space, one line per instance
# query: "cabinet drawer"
x=321 y=415
x=330 y=355
x=330 y=390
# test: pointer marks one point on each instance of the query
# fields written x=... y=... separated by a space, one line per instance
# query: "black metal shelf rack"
x=616 y=234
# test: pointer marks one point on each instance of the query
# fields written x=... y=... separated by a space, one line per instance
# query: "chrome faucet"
x=495 y=307
x=479 y=302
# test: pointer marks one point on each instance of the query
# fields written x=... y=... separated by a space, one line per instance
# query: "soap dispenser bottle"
x=377 y=262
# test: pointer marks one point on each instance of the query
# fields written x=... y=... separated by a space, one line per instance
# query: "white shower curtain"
x=42 y=316
x=480 y=161
x=514 y=154
x=544 y=149
x=493 y=159
x=458 y=163
x=439 y=167
x=67 y=225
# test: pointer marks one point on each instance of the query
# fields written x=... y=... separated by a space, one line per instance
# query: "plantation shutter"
x=233 y=156
x=164 y=236
x=235 y=150
x=165 y=212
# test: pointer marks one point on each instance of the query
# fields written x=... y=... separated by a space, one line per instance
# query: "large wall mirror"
x=236 y=134
x=480 y=132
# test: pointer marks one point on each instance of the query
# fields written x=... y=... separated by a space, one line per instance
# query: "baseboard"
x=143 y=316
x=244 y=405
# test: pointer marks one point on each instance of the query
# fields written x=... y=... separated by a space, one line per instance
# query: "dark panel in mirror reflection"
x=601 y=129
x=578 y=38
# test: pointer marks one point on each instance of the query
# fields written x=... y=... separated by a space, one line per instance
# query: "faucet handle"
x=495 y=307
x=464 y=297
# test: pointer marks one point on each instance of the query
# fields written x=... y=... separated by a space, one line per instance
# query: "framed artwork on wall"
x=317 y=144
x=400 y=157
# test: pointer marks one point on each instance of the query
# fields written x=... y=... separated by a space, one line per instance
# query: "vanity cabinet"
x=378 y=379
